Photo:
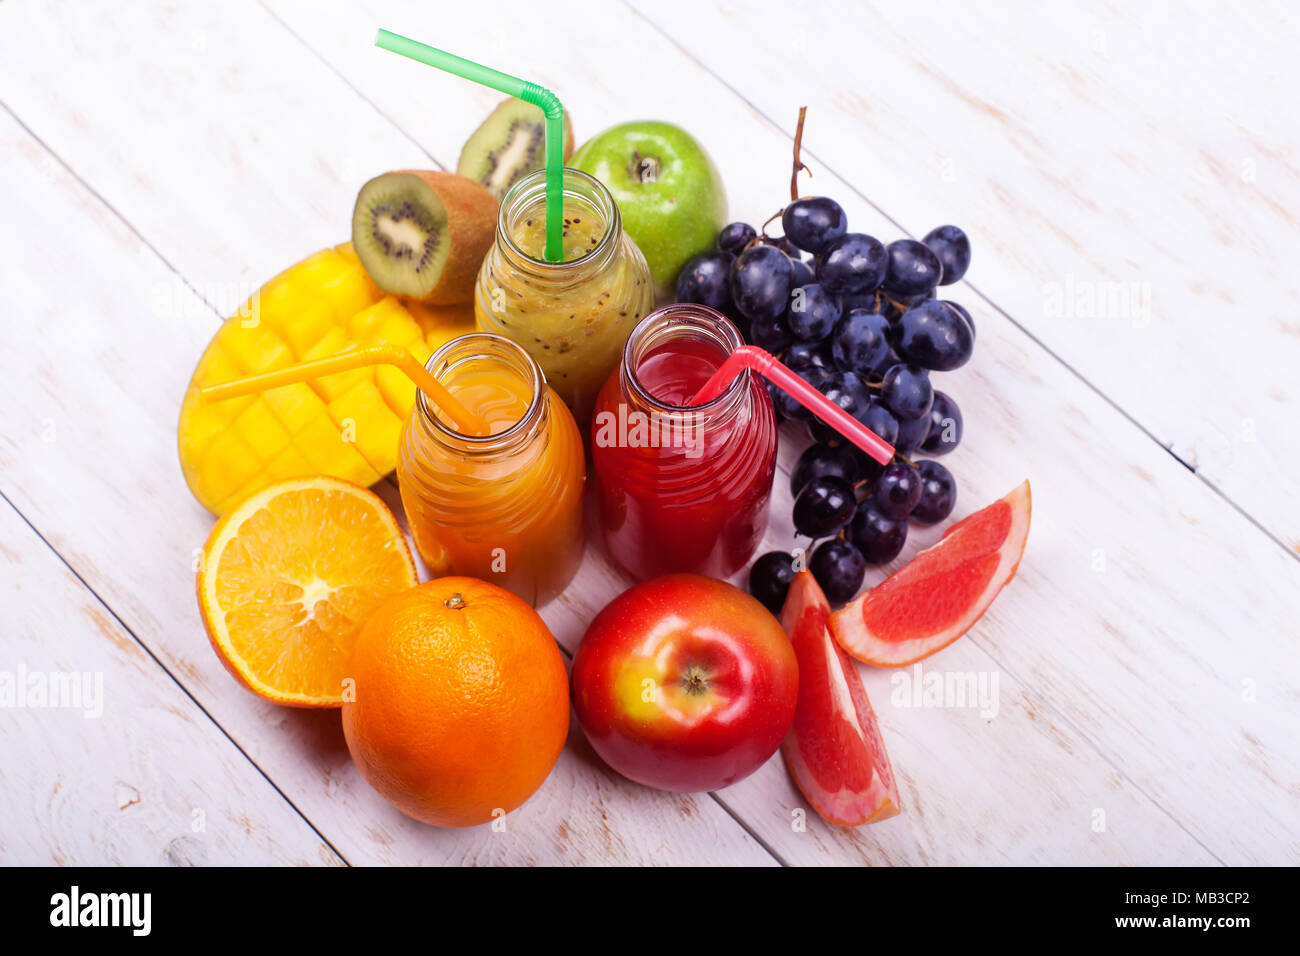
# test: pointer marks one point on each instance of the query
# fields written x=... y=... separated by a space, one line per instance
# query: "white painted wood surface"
x=110 y=761
x=159 y=156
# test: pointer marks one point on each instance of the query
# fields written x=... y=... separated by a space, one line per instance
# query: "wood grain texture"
x=1144 y=604
x=1105 y=493
x=97 y=378
x=106 y=761
x=1132 y=209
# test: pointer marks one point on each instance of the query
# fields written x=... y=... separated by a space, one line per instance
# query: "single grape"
x=893 y=306
x=770 y=333
x=846 y=390
x=906 y=391
x=852 y=264
x=881 y=421
x=938 y=493
x=706 y=279
x=839 y=568
x=859 y=341
x=814 y=375
x=803 y=273
x=813 y=312
x=934 y=336
x=735 y=236
x=945 y=425
x=912 y=269
x=769 y=579
x=897 y=491
x=866 y=301
x=878 y=538
x=787 y=409
x=788 y=248
x=885 y=364
x=807 y=353
x=951 y=247
x=824 y=506
x=911 y=433
x=821 y=459
x=741 y=323
x=775 y=394
x=760 y=282
x=961 y=310
x=813 y=222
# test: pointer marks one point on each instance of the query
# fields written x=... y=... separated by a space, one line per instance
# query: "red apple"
x=685 y=683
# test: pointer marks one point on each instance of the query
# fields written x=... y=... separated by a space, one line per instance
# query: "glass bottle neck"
x=456 y=365
x=684 y=326
x=526 y=204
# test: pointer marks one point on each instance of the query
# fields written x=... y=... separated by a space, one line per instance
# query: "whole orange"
x=461 y=702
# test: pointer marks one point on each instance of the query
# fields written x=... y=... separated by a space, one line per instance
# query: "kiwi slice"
x=509 y=145
x=424 y=234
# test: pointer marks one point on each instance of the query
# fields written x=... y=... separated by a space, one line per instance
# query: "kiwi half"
x=508 y=145
x=424 y=234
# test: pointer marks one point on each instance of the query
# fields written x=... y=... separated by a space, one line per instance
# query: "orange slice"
x=288 y=577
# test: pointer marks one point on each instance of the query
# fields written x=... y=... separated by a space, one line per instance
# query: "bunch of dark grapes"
x=861 y=321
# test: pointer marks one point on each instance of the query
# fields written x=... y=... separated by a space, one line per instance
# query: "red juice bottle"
x=680 y=487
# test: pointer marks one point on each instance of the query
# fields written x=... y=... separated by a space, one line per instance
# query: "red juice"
x=678 y=487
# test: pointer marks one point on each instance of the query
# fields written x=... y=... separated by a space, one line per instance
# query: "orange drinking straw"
x=466 y=422
x=765 y=364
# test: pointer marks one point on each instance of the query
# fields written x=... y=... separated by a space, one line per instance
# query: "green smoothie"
x=572 y=316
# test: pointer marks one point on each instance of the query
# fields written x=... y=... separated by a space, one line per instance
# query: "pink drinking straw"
x=765 y=364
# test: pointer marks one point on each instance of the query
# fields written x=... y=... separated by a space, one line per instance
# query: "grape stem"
x=798 y=163
x=762 y=231
x=894 y=302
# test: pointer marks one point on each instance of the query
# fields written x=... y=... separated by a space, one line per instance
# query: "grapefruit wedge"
x=945 y=589
x=833 y=750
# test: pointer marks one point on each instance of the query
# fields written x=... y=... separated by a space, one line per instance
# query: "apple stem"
x=798 y=163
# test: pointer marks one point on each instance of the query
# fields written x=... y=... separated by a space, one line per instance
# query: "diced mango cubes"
x=364 y=419
x=346 y=425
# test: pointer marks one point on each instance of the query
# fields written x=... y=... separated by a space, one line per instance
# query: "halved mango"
x=346 y=425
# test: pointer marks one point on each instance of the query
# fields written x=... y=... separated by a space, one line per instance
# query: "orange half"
x=287 y=579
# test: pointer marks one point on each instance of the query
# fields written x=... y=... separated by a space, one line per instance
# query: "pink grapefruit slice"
x=935 y=599
x=833 y=750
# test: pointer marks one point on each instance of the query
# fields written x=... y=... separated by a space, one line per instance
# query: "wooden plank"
x=107 y=762
x=1130 y=208
x=1036 y=741
x=93 y=383
x=1009 y=392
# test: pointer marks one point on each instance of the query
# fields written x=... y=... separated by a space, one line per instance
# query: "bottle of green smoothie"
x=572 y=316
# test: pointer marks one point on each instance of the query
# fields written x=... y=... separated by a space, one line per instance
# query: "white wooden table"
x=1129 y=175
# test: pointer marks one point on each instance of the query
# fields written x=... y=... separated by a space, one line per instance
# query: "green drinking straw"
x=511 y=86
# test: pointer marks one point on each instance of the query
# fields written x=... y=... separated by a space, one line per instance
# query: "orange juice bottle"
x=505 y=507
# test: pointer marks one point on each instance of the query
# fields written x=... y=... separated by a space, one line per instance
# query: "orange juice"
x=505 y=507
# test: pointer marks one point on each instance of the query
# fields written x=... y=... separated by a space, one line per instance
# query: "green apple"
x=667 y=188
